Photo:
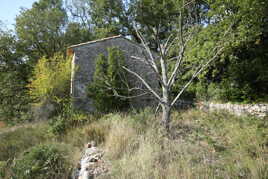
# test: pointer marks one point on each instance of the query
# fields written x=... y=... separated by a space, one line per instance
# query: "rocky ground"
x=91 y=164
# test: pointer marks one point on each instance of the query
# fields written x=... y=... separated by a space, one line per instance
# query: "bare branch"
x=177 y=66
x=145 y=84
x=148 y=62
x=198 y=71
x=128 y=97
x=152 y=59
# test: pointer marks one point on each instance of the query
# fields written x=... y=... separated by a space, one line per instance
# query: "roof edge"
x=95 y=41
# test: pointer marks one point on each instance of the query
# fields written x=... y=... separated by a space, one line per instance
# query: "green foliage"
x=109 y=80
x=240 y=73
x=110 y=17
x=76 y=33
x=43 y=161
x=113 y=17
x=211 y=145
x=67 y=118
x=3 y=168
x=40 y=28
x=13 y=79
x=157 y=15
x=51 y=79
x=58 y=125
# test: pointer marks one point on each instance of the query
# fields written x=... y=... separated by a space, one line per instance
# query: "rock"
x=91 y=163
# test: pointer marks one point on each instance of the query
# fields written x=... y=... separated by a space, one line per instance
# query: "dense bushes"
x=66 y=119
x=43 y=161
x=109 y=81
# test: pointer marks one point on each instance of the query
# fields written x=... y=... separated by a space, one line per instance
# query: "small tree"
x=109 y=77
x=172 y=61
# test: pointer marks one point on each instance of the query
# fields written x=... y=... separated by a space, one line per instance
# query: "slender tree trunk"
x=166 y=110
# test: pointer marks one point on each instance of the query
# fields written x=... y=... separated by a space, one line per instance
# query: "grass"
x=201 y=145
x=14 y=142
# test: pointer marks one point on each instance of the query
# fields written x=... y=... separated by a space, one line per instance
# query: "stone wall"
x=259 y=110
x=83 y=66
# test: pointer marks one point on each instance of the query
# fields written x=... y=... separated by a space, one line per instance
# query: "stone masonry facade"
x=83 y=67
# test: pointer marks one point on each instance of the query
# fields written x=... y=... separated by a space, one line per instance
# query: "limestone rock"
x=91 y=164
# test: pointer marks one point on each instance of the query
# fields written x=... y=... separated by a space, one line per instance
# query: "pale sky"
x=10 y=8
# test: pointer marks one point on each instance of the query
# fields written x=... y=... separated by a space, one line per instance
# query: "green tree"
x=76 y=33
x=105 y=17
x=109 y=81
x=113 y=17
x=41 y=28
x=13 y=79
x=240 y=73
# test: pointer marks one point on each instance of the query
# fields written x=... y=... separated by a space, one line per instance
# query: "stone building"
x=83 y=67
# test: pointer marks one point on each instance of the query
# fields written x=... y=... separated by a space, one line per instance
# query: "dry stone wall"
x=259 y=110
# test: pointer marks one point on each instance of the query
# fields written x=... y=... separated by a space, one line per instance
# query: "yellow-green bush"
x=51 y=79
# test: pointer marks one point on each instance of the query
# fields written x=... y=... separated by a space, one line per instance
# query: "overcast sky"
x=10 y=8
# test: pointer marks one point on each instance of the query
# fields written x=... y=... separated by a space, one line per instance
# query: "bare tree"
x=160 y=65
x=168 y=66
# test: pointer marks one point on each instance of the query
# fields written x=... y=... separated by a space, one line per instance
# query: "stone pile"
x=91 y=164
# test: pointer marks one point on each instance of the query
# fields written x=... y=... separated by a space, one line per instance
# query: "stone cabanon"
x=83 y=67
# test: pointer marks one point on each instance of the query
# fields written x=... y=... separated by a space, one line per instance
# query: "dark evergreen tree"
x=109 y=82
x=13 y=79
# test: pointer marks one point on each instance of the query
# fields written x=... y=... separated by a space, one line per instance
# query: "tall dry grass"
x=201 y=145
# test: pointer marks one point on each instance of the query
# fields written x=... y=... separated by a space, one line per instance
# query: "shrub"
x=51 y=80
x=109 y=79
x=68 y=118
x=43 y=161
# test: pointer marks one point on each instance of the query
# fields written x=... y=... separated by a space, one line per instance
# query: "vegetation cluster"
x=213 y=145
x=35 y=73
x=43 y=32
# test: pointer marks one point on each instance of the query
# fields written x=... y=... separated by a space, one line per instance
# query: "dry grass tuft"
x=121 y=139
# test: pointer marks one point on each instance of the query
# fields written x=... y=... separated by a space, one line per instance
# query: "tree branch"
x=145 y=84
